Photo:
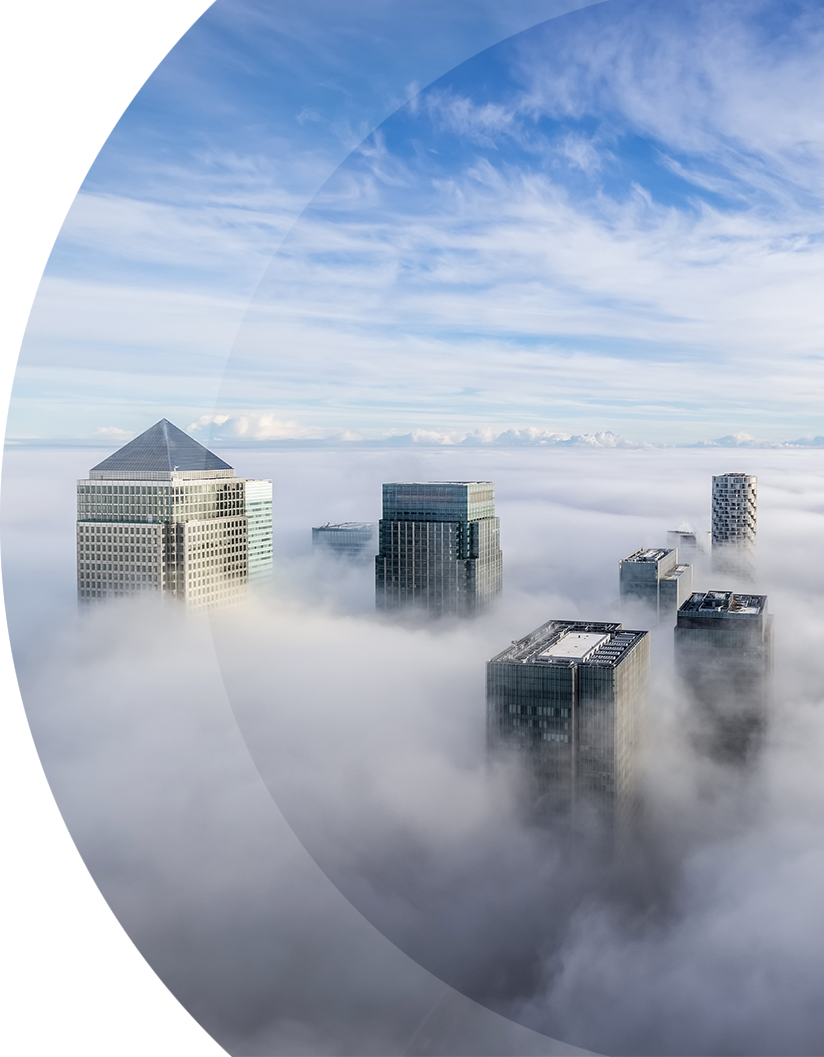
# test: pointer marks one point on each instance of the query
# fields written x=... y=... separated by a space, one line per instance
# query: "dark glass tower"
x=723 y=653
x=439 y=547
x=566 y=705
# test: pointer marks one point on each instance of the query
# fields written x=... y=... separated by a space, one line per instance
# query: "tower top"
x=161 y=449
x=438 y=500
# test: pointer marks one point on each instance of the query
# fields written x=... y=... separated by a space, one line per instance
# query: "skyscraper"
x=349 y=539
x=723 y=654
x=163 y=514
x=567 y=703
x=439 y=547
x=653 y=575
x=734 y=497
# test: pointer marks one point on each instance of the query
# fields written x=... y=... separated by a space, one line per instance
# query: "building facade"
x=355 y=540
x=734 y=507
x=654 y=576
x=164 y=515
x=567 y=704
x=439 y=547
x=258 y=506
x=724 y=657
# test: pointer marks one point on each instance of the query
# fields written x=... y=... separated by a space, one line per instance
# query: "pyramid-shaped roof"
x=163 y=448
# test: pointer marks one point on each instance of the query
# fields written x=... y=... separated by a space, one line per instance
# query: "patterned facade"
x=734 y=508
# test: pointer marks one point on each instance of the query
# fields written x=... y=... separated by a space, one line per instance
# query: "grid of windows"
x=114 y=560
x=175 y=500
x=188 y=538
x=213 y=566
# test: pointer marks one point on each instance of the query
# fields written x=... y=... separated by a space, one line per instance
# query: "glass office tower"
x=724 y=656
x=654 y=576
x=163 y=515
x=566 y=704
x=439 y=547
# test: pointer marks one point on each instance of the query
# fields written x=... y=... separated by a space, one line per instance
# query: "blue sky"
x=610 y=221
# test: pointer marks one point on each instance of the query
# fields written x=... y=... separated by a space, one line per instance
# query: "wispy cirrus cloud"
x=551 y=200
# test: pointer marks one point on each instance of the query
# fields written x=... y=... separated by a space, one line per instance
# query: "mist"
x=197 y=761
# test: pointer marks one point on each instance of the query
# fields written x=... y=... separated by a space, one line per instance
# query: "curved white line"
x=149 y=975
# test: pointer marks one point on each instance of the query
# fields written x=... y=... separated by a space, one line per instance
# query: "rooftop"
x=724 y=603
x=571 y=642
x=162 y=448
x=575 y=646
x=649 y=554
x=675 y=572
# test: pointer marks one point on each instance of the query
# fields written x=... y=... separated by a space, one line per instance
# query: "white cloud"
x=115 y=433
x=371 y=735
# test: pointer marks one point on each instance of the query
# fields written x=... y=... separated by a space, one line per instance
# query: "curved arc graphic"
x=143 y=966
x=209 y=1044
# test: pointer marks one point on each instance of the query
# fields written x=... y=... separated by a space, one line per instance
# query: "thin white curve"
x=146 y=970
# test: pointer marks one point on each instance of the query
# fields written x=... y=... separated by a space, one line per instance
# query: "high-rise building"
x=163 y=514
x=653 y=575
x=723 y=654
x=734 y=497
x=567 y=702
x=439 y=547
x=354 y=540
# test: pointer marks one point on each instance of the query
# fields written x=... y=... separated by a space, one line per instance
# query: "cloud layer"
x=370 y=735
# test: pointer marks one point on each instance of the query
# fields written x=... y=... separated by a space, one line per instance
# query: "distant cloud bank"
x=264 y=428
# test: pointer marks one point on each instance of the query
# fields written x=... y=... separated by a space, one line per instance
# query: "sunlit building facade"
x=165 y=515
x=257 y=497
x=439 y=547
x=566 y=704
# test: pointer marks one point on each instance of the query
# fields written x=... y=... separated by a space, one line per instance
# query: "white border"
x=149 y=975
